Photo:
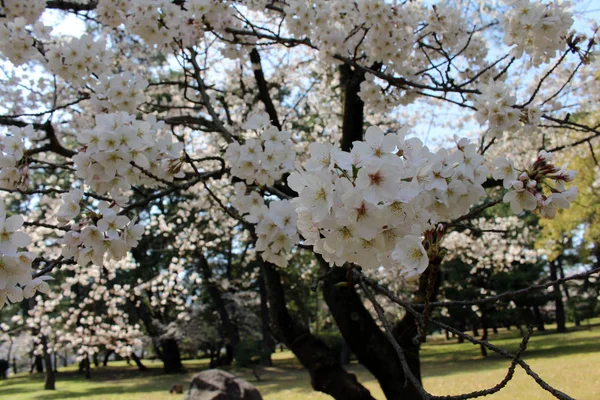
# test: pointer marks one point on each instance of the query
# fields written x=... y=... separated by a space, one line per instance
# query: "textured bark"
x=50 y=379
x=231 y=330
x=263 y=88
x=353 y=118
x=366 y=339
x=326 y=373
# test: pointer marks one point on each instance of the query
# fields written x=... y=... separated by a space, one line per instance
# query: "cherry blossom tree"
x=282 y=128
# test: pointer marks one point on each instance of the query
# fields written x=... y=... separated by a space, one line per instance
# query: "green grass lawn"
x=569 y=362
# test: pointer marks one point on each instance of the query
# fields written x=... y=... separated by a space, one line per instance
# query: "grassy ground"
x=567 y=361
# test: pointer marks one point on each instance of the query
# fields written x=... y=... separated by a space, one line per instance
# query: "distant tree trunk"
x=495 y=329
x=268 y=344
x=66 y=359
x=171 y=357
x=231 y=330
x=138 y=362
x=50 y=379
x=447 y=334
x=88 y=373
x=462 y=328
x=55 y=361
x=539 y=320
x=484 y=327
x=15 y=365
x=95 y=360
x=560 y=307
x=107 y=355
x=561 y=270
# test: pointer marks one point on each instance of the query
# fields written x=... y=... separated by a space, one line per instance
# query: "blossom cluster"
x=29 y=10
x=17 y=41
x=13 y=169
x=160 y=22
x=372 y=206
x=537 y=29
x=264 y=158
x=100 y=234
x=121 y=151
x=276 y=224
x=16 y=280
x=528 y=188
x=79 y=59
x=123 y=92
x=496 y=107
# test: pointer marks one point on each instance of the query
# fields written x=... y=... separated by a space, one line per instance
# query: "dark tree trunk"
x=15 y=365
x=268 y=345
x=170 y=356
x=95 y=360
x=353 y=118
x=50 y=379
x=495 y=329
x=138 y=362
x=326 y=373
x=560 y=307
x=66 y=359
x=88 y=372
x=107 y=355
x=367 y=341
x=539 y=320
x=564 y=287
x=55 y=361
x=484 y=327
x=231 y=330
x=462 y=328
x=39 y=364
x=345 y=356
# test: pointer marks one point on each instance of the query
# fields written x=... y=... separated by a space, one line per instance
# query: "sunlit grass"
x=569 y=362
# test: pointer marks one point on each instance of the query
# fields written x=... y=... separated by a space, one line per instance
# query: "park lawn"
x=569 y=362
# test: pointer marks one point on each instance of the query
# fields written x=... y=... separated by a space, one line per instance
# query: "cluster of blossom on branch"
x=496 y=107
x=264 y=158
x=537 y=29
x=162 y=22
x=121 y=151
x=98 y=235
x=372 y=206
x=529 y=188
x=276 y=223
x=16 y=280
x=13 y=164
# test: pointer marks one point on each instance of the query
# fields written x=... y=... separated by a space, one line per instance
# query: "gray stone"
x=215 y=384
